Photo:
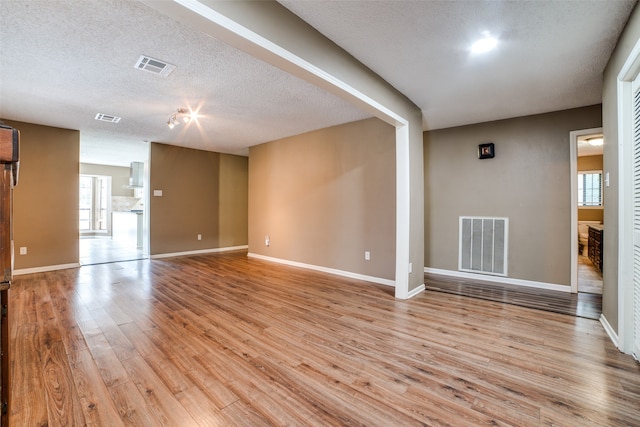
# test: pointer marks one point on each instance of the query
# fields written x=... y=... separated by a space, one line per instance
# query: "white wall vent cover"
x=154 y=66
x=484 y=245
x=107 y=118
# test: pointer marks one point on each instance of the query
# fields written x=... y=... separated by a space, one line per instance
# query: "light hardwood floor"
x=226 y=340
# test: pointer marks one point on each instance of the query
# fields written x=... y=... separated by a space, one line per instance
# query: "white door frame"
x=573 y=154
x=628 y=73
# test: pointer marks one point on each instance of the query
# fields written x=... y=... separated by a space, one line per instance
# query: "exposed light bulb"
x=485 y=44
x=186 y=119
x=170 y=124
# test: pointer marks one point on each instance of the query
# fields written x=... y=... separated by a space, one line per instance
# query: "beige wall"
x=274 y=22
x=626 y=42
x=203 y=193
x=45 y=209
x=119 y=177
x=528 y=181
x=326 y=197
x=590 y=163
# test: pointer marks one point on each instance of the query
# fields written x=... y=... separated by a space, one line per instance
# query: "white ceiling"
x=62 y=62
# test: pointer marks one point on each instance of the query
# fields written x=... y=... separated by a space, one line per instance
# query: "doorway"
x=113 y=201
x=587 y=206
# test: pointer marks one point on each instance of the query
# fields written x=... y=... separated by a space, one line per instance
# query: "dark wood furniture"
x=596 y=233
x=9 y=156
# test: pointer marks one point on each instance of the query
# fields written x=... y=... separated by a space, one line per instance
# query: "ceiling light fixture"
x=181 y=113
x=596 y=141
x=485 y=44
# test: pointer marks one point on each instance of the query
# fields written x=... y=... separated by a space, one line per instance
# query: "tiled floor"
x=121 y=246
x=589 y=279
x=100 y=250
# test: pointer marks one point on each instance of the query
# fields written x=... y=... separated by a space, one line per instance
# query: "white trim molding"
x=413 y=292
x=609 y=330
x=498 y=279
x=46 y=268
x=343 y=273
x=199 y=252
x=628 y=73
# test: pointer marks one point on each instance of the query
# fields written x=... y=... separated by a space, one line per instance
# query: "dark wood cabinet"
x=596 y=233
x=9 y=154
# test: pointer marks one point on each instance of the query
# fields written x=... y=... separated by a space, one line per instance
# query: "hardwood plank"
x=223 y=339
x=131 y=406
x=62 y=399
x=29 y=403
x=158 y=397
x=97 y=406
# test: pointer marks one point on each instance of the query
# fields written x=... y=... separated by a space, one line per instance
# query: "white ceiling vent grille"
x=107 y=118
x=154 y=66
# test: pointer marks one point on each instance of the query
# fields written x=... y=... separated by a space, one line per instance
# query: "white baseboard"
x=343 y=273
x=199 y=252
x=416 y=291
x=45 y=268
x=609 y=330
x=503 y=280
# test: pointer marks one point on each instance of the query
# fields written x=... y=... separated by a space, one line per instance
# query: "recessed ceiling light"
x=485 y=44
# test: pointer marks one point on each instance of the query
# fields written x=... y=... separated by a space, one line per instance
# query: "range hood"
x=136 y=175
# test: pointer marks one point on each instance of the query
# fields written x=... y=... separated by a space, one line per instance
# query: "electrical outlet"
x=199 y=236
x=367 y=255
x=23 y=250
x=267 y=240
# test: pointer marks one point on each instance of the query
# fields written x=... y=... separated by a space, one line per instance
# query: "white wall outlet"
x=199 y=236
x=23 y=250
x=267 y=240
x=157 y=193
x=367 y=255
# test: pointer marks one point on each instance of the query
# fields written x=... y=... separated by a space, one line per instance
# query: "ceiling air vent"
x=154 y=66
x=107 y=118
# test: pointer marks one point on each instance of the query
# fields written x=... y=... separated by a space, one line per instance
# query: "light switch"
x=606 y=179
x=157 y=193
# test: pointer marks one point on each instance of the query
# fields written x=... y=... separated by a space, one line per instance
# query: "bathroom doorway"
x=588 y=186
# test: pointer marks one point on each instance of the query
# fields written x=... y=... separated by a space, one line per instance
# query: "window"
x=590 y=189
x=94 y=202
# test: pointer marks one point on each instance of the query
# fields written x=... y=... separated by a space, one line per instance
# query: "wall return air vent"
x=484 y=245
x=107 y=118
x=154 y=66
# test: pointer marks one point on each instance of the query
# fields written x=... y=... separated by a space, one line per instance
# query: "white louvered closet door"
x=636 y=218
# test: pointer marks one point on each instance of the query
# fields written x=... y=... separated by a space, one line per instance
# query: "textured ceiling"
x=550 y=55
x=61 y=62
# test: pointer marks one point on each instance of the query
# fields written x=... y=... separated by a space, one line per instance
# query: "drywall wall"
x=233 y=201
x=626 y=42
x=528 y=182
x=299 y=49
x=119 y=177
x=46 y=201
x=326 y=197
x=202 y=193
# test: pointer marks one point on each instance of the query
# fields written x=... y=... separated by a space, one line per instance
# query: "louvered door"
x=636 y=218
